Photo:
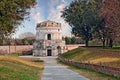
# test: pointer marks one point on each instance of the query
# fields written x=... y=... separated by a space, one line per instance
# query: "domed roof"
x=49 y=23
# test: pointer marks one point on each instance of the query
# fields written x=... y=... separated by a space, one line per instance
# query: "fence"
x=98 y=68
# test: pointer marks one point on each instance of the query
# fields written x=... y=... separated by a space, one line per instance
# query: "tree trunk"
x=103 y=43
x=107 y=43
x=86 y=43
x=111 y=43
x=2 y=42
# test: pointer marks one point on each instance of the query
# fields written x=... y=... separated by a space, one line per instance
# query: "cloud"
x=63 y=1
x=36 y=14
x=56 y=6
x=53 y=1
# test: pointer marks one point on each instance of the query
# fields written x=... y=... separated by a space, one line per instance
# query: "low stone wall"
x=98 y=68
x=20 y=48
x=73 y=46
x=12 y=49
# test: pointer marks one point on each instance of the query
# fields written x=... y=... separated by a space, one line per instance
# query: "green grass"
x=92 y=75
x=88 y=56
x=115 y=48
x=18 y=69
x=82 y=55
x=109 y=48
x=16 y=54
x=73 y=53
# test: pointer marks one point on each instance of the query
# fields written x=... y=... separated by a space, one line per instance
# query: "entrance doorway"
x=49 y=52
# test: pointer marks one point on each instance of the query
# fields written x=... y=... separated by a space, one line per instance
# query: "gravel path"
x=55 y=71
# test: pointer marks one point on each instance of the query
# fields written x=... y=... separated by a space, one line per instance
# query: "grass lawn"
x=109 y=48
x=115 y=48
x=15 y=68
x=96 y=58
x=92 y=75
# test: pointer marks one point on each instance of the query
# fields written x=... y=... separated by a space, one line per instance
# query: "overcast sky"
x=45 y=10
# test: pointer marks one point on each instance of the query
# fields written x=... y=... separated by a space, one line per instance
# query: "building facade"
x=48 y=39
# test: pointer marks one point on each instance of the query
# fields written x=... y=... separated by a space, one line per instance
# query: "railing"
x=98 y=68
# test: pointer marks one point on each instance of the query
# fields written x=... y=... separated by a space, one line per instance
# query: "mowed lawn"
x=95 y=58
x=87 y=56
x=15 y=68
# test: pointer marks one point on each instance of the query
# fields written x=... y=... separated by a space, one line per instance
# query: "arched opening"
x=48 y=36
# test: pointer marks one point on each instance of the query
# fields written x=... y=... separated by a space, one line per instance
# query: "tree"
x=1 y=42
x=12 y=13
x=110 y=16
x=67 y=40
x=99 y=31
x=82 y=17
x=73 y=40
x=19 y=42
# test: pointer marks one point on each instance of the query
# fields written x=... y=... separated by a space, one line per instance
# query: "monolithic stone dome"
x=48 y=23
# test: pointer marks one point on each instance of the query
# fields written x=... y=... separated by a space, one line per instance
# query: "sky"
x=43 y=11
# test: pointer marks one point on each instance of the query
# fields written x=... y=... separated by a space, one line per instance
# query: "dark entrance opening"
x=49 y=52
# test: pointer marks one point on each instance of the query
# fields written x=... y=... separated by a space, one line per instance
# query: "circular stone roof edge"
x=48 y=23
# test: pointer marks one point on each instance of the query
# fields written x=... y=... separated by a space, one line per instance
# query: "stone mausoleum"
x=48 y=39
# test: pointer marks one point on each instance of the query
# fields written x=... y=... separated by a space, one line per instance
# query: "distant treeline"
x=74 y=40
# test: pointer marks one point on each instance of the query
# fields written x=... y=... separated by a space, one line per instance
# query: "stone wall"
x=73 y=46
x=98 y=68
x=12 y=49
x=5 y=49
